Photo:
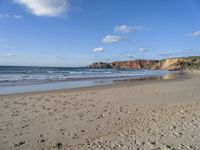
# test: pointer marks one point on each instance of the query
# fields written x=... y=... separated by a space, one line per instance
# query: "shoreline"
x=114 y=84
x=147 y=114
x=48 y=80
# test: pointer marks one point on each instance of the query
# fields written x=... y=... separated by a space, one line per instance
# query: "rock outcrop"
x=100 y=65
x=172 y=64
x=136 y=64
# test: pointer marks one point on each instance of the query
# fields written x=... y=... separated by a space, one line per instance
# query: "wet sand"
x=148 y=114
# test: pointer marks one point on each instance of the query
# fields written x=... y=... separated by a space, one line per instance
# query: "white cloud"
x=195 y=34
x=10 y=16
x=10 y=54
x=99 y=49
x=142 y=49
x=50 y=8
x=17 y=16
x=127 y=29
x=112 y=39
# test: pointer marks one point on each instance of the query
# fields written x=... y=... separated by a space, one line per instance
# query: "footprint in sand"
x=19 y=144
x=58 y=145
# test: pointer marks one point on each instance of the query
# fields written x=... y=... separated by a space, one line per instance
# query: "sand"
x=143 y=115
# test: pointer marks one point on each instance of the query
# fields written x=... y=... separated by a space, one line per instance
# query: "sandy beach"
x=143 y=115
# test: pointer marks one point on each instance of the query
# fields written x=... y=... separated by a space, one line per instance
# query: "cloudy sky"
x=78 y=32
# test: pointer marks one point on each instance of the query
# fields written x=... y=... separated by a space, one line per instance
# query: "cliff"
x=171 y=64
x=136 y=64
x=187 y=63
x=100 y=65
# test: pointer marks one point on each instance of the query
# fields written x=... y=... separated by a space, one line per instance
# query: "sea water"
x=18 y=79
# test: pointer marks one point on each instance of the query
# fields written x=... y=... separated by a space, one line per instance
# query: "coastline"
x=147 y=114
x=90 y=83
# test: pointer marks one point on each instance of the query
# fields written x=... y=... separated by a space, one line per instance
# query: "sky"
x=71 y=33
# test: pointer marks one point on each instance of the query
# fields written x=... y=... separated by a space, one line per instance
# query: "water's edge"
x=74 y=84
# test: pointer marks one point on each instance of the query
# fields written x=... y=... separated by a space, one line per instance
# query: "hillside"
x=183 y=63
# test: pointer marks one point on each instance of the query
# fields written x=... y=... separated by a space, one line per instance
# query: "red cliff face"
x=136 y=64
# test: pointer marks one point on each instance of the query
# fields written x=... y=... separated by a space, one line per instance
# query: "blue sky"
x=79 y=32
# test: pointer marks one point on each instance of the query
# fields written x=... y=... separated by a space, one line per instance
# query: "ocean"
x=29 y=79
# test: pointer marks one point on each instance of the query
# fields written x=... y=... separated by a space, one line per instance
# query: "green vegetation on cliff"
x=191 y=63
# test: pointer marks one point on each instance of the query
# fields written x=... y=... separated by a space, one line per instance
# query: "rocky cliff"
x=192 y=63
x=100 y=65
x=136 y=64
x=171 y=64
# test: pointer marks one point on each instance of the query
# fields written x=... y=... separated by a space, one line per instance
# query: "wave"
x=42 y=74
